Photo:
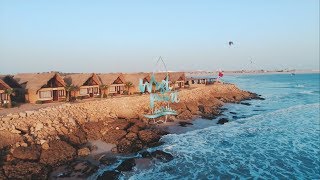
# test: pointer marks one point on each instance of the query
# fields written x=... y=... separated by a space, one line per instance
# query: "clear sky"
x=129 y=36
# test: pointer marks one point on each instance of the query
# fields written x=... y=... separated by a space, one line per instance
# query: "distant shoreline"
x=206 y=73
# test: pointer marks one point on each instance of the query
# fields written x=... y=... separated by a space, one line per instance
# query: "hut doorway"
x=55 y=95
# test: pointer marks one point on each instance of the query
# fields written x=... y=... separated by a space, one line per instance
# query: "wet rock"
x=127 y=165
x=127 y=146
x=146 y=154
x=148 y=136
x=84 y=151
x=25 y=170
x=222 y=121
x=75 y=170
x=58 y=153
x=113 y=136
x=27 y=153
x=106 y=160
x=184 y=124
x=245 y=103
x=109 y=175
x=161 y=155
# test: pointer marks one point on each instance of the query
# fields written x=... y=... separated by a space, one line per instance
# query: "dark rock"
x=155 y=144
x=113 y=136
x=107 y=160
x=260 y=98
x=222 y=121
x=2 y=176
x=59 y=152
x=25 y=170
x=127 y=165
x=134 y=129
x=145 y=154
x=244 y=103
x=119 y=124
x=132 y=136
x=77 y=138
x=149 y=136
x=232 y=112
x=127 y=146
x=109 y=175
x=161 y=155
x=184 y=124
x=27 y=153
x=239 y=117
x=77 y=169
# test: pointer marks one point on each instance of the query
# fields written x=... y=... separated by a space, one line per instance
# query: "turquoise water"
x=278 y=138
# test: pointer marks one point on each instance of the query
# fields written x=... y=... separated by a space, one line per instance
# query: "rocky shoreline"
x=34 y=143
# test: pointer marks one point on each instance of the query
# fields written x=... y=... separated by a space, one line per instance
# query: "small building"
x=116 y=82
x=88 y=84
x=42 y=87
x=134 y=78
x=178 y=78
x=4 y=97
x=18 y=91
x=198 y=80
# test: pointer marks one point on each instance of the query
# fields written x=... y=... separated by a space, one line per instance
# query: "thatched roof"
x=108 y=79
x=135 y=78
x=34 y=81
x=79 y=79
x=175 y=76
x=3 y=84
x=8 y=79
x=160 y=76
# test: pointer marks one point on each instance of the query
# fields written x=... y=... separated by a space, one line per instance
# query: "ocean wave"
x=279 y=144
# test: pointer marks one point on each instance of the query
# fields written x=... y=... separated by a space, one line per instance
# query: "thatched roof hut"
x=81 y=79
x=36 y=81
x=112 y=78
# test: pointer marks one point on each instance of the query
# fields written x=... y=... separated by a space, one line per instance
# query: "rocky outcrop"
x=222 y=121
x=149 y=136
x=109 y=175
x=127 y=165
x=161 y=155
x=25 y=170
x=27 y=153
x=58 y=153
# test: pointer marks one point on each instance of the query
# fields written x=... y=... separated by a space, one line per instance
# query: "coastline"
x=64 y=139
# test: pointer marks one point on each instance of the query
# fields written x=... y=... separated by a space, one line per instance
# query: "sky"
x=129 y=36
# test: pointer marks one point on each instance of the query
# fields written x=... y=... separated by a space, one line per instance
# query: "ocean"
x=275 y=138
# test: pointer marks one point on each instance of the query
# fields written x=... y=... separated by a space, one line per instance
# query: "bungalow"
x=4 y=97
x=177 y=79
x=18 y=91
x=88 y=84
x=43 y=87
x=134 y=78
x=115 y=82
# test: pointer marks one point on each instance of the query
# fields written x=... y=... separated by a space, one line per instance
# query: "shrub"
x=39 y=102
